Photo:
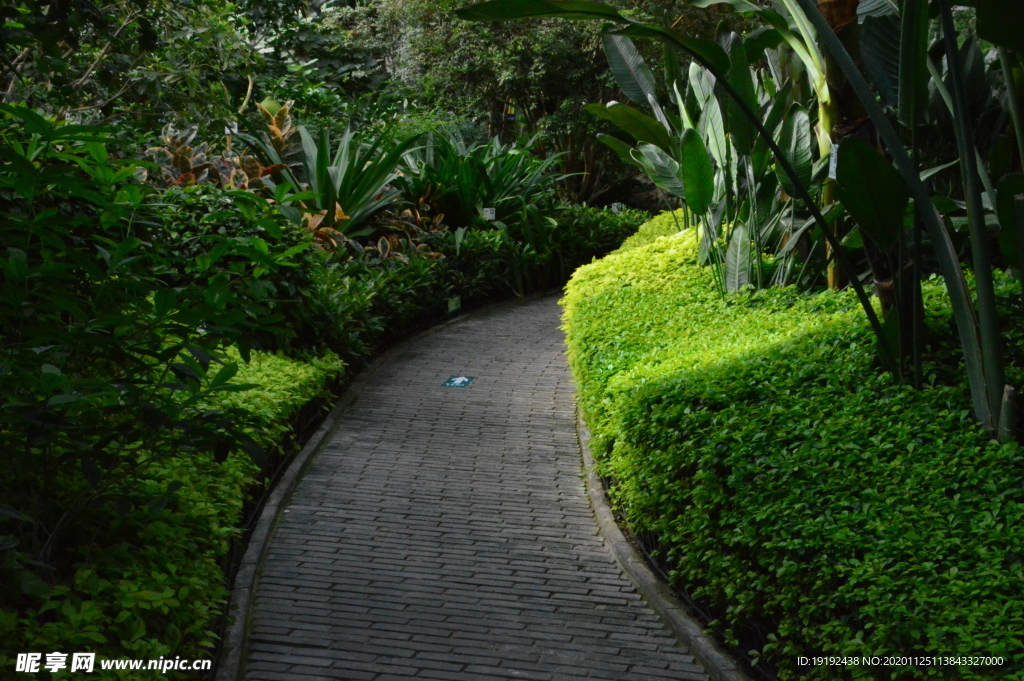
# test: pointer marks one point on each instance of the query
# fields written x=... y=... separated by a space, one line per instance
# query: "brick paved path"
x=445 y=533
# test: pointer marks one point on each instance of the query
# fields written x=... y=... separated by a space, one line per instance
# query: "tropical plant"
x=340 y=188
x=708 y=159
x=978 y=329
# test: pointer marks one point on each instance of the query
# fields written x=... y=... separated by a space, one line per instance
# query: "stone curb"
x=718 y=665
x=230 y=664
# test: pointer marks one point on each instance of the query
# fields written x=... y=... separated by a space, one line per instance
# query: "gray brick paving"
x=445 y=533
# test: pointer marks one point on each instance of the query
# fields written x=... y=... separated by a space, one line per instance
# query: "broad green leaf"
x=504 y=10
x=913 y=72
x=698 y=174
x=226 y=373
x=872 y=191
x=641 y=126
x=709 y=54
x=929 y=173
x=663 y=170
x=761 y=155
x=712 y=127
x=624 y=151
x=880 y=50
x=763 y=38
x=702 y=84
x=876 y=8
x=628 y=66
x=737 y=259
x=795 y=140
x=741 y=131
x=673 y=74
x=1000 y=22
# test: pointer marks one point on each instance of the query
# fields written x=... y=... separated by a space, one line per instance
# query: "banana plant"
x=977 y=326
x=718 y=61
x=790 y=25
x=709 y=143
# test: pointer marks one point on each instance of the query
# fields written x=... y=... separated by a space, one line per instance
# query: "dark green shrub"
x=797 y=490
x=150 y=582
x=113 y=371
x=584 y=233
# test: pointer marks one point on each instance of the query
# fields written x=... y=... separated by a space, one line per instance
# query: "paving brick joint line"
x=445 y=533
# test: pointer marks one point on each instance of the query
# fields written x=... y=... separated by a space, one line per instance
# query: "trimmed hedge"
x=665 y=224
x=797 y=490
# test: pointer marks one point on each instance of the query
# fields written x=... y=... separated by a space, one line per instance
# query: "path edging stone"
x=236 y=636
x=716 y=662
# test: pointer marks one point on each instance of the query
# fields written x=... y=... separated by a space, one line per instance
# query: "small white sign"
x=833 y=161
x=489 y=214
x=231 y=128
x=618 y=207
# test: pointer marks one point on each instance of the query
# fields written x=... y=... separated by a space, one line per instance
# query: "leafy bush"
x=797 y=491
x=584 y=233
x=150 y=582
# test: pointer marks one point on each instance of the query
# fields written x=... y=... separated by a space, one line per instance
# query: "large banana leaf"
x=880 y=50
x=740 y=130
x=639 y=125
x=624 y=151
x=663 y=170
x=872 y=191
x=630 y=71
x=698 y=174
x=876 y=8
x=504 y=10
x=712 y=127
x=702 y=84
x=737 y=259
x=795 y=142
x=1002 y=22
x=710 y=54
x=760 y=155
x=913 y=78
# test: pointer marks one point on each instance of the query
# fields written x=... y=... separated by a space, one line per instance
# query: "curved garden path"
x=445 y=533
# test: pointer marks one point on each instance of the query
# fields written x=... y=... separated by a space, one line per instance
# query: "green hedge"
x=150 y=584
x=796 y=489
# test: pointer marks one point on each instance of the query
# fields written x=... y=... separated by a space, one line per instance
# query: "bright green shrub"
x=665 y=224
x=150 y=584
x=797 y=490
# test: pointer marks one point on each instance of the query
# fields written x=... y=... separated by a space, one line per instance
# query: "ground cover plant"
x=815 y=505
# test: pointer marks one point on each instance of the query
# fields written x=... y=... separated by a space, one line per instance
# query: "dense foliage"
x=140 y=408
x=815 y=505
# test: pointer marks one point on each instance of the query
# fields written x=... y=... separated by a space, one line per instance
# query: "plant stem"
x=990 y=345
